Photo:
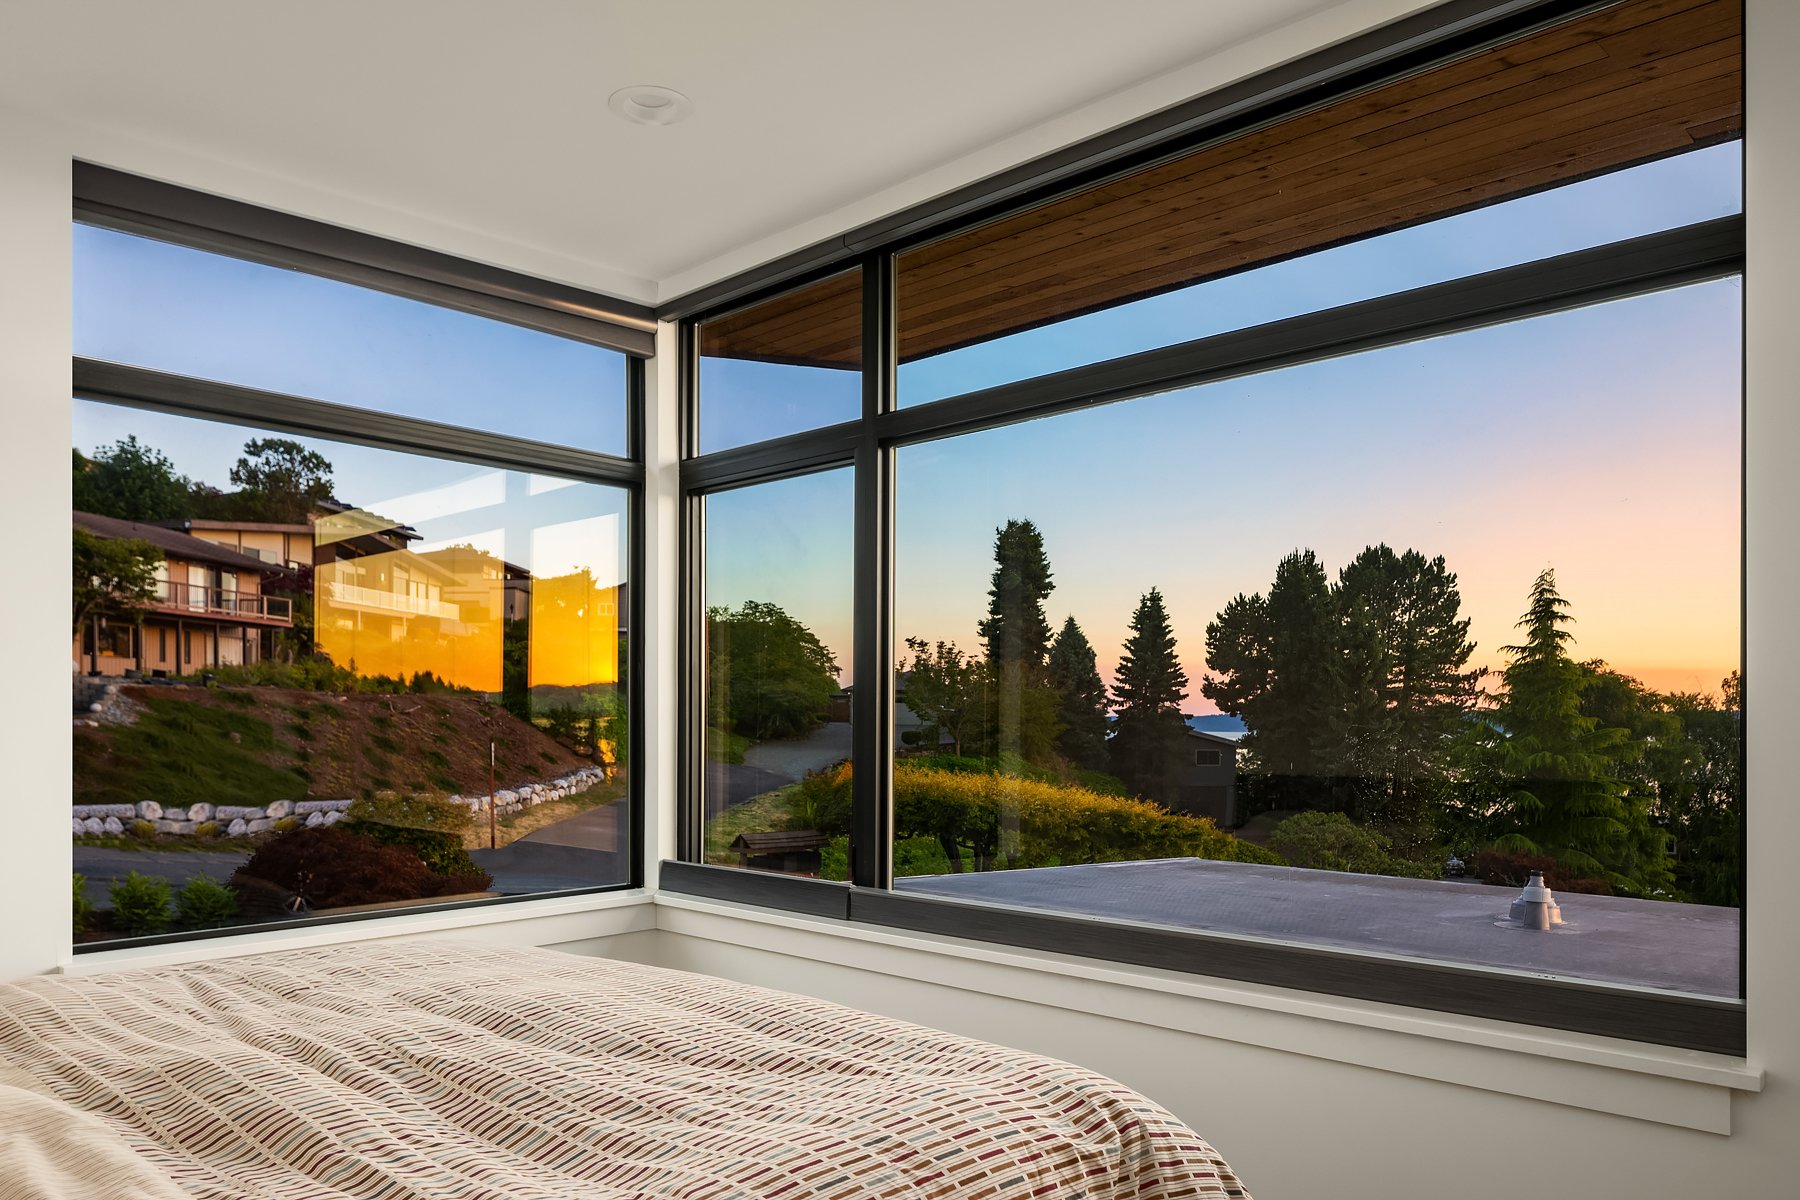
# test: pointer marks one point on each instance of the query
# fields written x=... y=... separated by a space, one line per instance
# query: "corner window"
x=1261 y=556
x=320 y=677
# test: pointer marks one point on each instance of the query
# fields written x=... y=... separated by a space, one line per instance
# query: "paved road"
x=771 y=765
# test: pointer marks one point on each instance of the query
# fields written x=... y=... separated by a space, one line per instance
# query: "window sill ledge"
x=552 y=921
x=1683 y=1088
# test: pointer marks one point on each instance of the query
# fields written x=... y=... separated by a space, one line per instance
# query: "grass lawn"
x=767 y=811
x=724 y=746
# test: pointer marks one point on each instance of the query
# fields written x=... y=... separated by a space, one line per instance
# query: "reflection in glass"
x=338 y=676
x=784 y=366
x=778 y=628
x=1342 y=653
x=190 y=312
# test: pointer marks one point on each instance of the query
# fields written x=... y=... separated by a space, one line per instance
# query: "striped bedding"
x=431 y=1070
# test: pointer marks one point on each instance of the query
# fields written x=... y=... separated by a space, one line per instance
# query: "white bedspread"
x=424 y=1071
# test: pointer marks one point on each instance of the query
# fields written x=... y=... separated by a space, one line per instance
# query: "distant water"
x=1217 y=723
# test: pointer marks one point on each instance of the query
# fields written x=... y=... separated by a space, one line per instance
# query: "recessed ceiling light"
x=650 y=105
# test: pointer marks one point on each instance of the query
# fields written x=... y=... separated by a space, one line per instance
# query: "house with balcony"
x=210 y=608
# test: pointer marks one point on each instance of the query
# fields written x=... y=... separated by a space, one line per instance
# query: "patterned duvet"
x=438 y=1070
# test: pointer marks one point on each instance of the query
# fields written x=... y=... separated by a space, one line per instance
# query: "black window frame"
x=1707 y=250
x=115 y=200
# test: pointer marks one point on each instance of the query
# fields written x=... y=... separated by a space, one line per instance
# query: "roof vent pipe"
x=1536 y=907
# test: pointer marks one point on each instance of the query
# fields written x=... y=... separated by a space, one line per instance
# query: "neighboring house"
x=285 y=545
x=210 y=608
x=1206 y=784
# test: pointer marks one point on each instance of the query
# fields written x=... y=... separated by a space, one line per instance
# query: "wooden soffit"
x=1621 y=86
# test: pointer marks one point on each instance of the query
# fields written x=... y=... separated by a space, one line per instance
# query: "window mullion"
x=871 y=841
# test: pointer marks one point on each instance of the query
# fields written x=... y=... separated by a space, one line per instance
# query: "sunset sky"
x=1604 y=443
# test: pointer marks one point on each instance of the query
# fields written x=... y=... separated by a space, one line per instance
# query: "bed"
x=431 y=1070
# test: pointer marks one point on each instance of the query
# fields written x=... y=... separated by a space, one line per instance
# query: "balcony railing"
x=205 y=600
x=357 y=596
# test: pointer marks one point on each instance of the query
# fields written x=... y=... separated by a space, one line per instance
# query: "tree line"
x=1359 y=698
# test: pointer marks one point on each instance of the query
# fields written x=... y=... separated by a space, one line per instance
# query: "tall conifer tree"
x=1563 y=794
x=1150 y=732
x=1076 y=677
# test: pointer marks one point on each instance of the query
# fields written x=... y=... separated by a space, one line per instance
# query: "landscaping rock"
x=280 y=809
x=149 y=810
x=332 y=818
x=200 y=812
x=320 y=806
x=180 y=828
x=124 y=812
x=237 y=828
x=79 y=827
x=112 y=825
x=314 y=820
x=175 y=814
x=235 y=812
x=93 y=825
x=260 y=825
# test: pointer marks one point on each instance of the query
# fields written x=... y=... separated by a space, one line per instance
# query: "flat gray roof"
x=1690 y=948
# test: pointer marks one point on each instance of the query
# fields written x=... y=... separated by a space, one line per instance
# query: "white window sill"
x=551 y=921
x=1684 y=1088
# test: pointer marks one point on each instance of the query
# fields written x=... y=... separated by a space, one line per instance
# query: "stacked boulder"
x=508 y=801
x=237 y=820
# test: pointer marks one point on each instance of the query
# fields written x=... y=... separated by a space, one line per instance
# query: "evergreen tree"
x=1016 y=630
x=1277 y=663
x=1083 y=709
x=1017 y=637
x=1407 y=685
x=1563 y=794
x=1150 y=733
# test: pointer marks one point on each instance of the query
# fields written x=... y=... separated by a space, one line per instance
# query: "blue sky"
x=1603 y=442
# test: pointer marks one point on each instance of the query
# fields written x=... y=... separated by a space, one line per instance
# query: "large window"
x=327 y=663
x=1312 y=557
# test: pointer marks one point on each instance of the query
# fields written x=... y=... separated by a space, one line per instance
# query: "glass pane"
x=186 y=311
x=319 y=676
x=778 y=624
x=785 y=366
x=1650 y=198
x=1341 y=653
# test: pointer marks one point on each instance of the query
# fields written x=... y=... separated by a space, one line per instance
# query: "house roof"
x=1216 y=737
x=173 y=543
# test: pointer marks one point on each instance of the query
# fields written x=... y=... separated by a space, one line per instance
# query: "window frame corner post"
x=690 y=822
x=872 y=703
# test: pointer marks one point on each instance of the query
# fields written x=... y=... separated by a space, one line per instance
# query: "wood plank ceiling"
x=1630 y=83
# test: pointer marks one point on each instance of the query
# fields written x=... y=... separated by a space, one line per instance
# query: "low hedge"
x=430 y=826
x=332 y=868
x=1005 y=821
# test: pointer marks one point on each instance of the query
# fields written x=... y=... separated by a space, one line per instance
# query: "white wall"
x=1319 y=1108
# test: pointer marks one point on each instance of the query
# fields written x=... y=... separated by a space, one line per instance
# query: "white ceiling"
x=481 y=127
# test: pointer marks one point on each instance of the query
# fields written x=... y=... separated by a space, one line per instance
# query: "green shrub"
x=1333 y=842
x=430 y=826
x=143 y=831
x=141 y=904
x=962 y=810
x=205 y=903
x=84 y=910
x=207 y=829
x=821 y=802
x=287 y=823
